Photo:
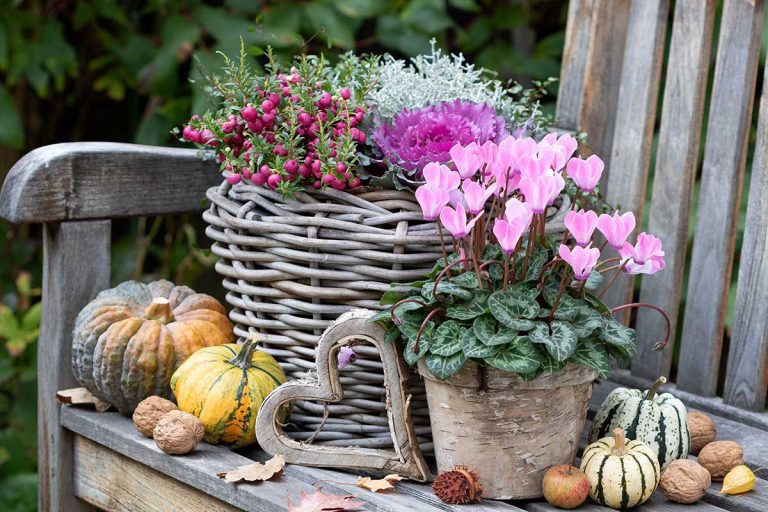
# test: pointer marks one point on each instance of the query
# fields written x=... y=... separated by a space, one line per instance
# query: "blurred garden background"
x=106 y=70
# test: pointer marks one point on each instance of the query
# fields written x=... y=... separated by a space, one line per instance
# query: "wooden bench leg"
x=75 y=268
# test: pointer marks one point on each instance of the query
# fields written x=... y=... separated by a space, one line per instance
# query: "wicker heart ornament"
x=350 y=329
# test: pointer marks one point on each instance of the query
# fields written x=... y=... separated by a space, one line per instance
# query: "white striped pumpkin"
x=659 y=421
x=621 y=475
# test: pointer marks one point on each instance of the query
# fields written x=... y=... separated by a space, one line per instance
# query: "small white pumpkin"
x=621 y=475
x=659 y=421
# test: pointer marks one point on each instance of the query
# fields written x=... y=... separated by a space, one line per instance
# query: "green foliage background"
x=121 y=71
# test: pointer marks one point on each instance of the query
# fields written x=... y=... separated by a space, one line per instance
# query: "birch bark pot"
x=511 y=433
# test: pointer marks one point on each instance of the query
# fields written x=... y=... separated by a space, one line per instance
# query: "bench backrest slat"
x=720 y=194
x=675 y=173
x=745 y=384
x=636 y=117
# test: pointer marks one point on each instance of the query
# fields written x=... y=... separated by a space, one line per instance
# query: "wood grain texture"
x=92 y=180
x=110 y=481
x=198 y=469
x=635 y=118
x=76 y=267
x=591 y=69
x=720 y=194
x=675 y=173
x=745 y=381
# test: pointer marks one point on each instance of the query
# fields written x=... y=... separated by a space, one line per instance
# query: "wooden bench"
x=611 y=77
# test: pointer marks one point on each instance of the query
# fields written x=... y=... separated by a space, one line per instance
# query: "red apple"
x=565 y=486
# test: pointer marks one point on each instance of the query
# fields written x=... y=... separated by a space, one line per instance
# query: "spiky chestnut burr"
x=458 y=486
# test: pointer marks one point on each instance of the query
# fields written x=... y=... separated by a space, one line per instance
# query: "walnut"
x=178 y=432
x=703 y=431
x=148 y=413
x=684 y=481
x=719 y=457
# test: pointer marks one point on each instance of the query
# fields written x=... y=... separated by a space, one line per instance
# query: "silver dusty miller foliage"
x=435 y=77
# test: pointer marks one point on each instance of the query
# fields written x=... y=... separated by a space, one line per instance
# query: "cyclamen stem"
x=544 y=269
x=423 y=326
x=442 y=245
x=560 y=293
x=610 y=283
x=396 y=320
x=447 y=269
x=663 y=343
x=531 y=236
x=609 y=260
x=506 y=271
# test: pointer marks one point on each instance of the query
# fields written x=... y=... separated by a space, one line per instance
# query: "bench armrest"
x=98 y=180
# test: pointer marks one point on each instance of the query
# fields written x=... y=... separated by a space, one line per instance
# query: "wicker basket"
x=291 y=267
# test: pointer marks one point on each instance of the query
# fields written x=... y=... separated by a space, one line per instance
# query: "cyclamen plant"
x=288 y=130
x=524 y=304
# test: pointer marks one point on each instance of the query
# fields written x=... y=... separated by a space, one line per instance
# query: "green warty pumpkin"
x=659 y=421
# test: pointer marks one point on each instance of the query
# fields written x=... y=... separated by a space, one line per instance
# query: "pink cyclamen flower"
x=346 y=357
x=431 y=201
x=586 y=173
x=565 y=146
x=476 y=195
x=543 y=191
x=581 y=225
x=518 y=211
x=580 y=259
x=467 y=159
x=508 y=233
x=645 y=257
x=616 y=228
x=439 y=176
x=456 y=220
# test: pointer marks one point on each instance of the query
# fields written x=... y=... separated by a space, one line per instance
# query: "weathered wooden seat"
x=611 y=78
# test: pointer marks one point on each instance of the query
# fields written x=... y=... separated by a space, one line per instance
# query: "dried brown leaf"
x=320 y=502
x=256 y=472
x=382 y=485
x=81 y=396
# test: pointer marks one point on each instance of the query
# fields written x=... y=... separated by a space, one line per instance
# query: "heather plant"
x=524 y=304
x=287 y=129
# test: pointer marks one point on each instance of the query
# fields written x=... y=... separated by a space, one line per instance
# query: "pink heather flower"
x=476 y=195
x=616 y=228
x=581 y=225
x=431 y=201
x=346 y=357
x=456 y=221
x=508 y=234
x=645 y=257
x=417 y=137
x=439 y=176
x=586 y=173
x=518 y=211
x=580 y=259
x=467 y=159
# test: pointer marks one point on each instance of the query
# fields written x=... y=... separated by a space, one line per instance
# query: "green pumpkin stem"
x=619 y=448
x=243 y=358
x=159 y=310
x=655 y=387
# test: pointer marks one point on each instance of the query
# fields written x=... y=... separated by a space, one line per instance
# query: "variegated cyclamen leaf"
x=594 y=280
x=593 y=354
x=520 y=356
x=409 y=355
x=469 y=310
x=619 y=335
x=502 y=337
x=447 y=339
x=492 y=252
x=539 y=333
x=392 y=334
x=411 y=322
x=552 y=365
x=511 y=304
x=585 y=323
x=485 y=326
x=568 y=308
x=381 y=316
x=466 y=280
x=443 y=367
x=520 y=324
x=535 y=264
x=623 y=358
x=596 y=303
x=473 y=347
x=445 y=287
x=562 y=341
x=392 y=297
